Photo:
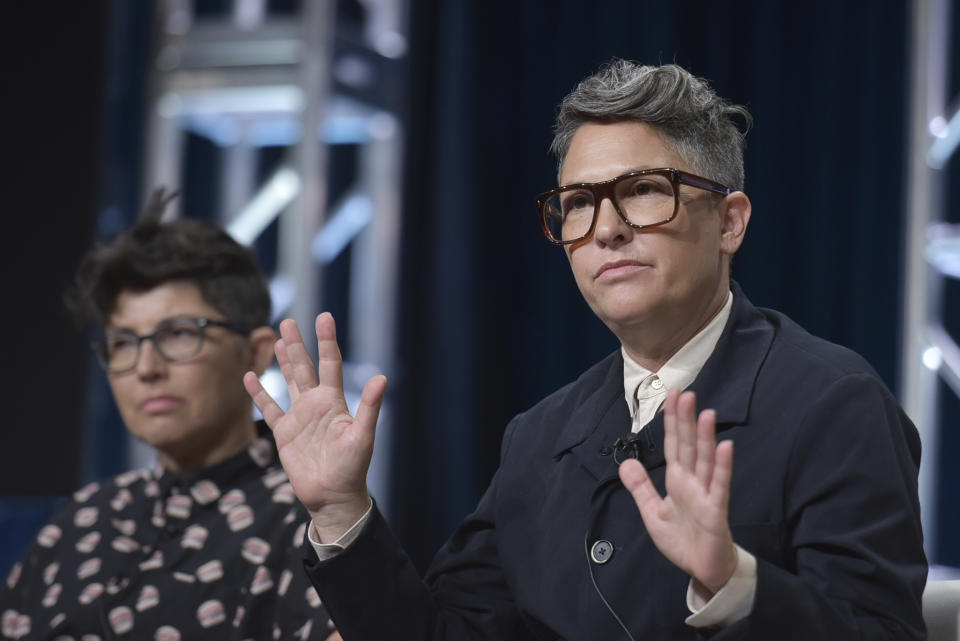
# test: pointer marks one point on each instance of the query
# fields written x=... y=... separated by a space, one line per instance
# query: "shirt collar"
x=682 y=368
x=253 y=459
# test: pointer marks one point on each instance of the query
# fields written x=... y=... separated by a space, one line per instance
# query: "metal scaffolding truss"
x=305 y=82
x=932 y=251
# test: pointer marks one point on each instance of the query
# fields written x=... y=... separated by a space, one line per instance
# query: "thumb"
x=371 y=399
x=635 y=478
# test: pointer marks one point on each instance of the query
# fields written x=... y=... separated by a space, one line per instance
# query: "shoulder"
x=769 y=341
x=769 y=370
x=76 y=519
x=827 y=392
x=83 y=507
x=795 y=350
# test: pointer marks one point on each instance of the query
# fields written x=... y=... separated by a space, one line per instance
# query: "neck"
x=194 y=457
x=651 y=344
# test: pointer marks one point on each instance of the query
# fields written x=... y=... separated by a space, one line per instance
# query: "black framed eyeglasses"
x=174 y=339
x=643 y=199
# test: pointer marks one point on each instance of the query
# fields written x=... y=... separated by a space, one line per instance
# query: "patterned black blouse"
x=150 y=556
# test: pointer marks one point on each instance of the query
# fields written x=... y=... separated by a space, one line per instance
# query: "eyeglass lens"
x=646 y=199
x=174 y=340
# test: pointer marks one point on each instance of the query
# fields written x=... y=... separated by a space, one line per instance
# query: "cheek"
x=578 y=259
x=218 y=387
x=581 y=278
x=123 y=392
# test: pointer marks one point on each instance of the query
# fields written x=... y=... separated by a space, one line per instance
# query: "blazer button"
x=601 y=551
x=606 y=450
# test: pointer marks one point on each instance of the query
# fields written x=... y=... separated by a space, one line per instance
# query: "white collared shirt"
x=645 y=390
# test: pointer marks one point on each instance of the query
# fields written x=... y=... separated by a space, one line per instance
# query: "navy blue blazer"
x=824 y=494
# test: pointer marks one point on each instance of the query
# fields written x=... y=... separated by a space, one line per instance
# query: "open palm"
x=323 y=448
x=689 y=525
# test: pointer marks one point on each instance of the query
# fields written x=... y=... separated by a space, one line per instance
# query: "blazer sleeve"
x=372 y=590
x=853 y=564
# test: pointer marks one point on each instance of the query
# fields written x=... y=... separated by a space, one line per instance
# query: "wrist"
x=333 y=520
x=714 y=582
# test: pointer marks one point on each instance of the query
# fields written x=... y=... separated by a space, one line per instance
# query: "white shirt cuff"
x=732 y=602
x=327 y=551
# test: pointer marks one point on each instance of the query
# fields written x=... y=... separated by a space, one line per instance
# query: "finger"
x=706 y=447
x=722 y=474
x=329 y=361
x=635 y=478
x=670 y=426
x=371 y=399
x=262 y=399
x=280 y=350
x=301 y=367
x=686 y=427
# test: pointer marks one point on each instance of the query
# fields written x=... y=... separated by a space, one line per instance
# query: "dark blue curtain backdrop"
x=492 y=320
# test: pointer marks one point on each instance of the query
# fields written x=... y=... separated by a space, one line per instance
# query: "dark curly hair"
x=153 y=252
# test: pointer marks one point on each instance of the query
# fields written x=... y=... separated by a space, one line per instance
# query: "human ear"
x=260 y=355
x=735 y=216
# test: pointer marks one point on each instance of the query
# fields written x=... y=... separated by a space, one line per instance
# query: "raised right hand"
x=323 y=448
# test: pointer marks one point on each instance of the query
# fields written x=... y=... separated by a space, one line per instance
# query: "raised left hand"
x=689 y=525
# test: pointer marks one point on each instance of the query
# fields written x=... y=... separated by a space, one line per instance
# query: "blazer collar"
x=727 y=380
x=725 y=384
x=599 y=407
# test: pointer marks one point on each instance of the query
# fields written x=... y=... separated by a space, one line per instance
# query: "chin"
x=156 y=431
x=621 y=311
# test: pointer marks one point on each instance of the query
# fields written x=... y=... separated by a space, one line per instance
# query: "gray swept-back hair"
x=687 y=113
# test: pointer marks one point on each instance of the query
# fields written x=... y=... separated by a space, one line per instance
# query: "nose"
x=150 y=364
x=611 y=228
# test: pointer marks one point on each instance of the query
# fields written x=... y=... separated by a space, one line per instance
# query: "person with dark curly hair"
x=206 y=545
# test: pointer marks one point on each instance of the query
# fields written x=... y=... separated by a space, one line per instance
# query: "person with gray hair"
x=617 y=511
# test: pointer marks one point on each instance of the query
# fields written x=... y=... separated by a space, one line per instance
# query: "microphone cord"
x=593 y=580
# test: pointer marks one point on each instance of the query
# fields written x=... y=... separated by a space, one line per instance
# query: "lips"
x=160 y=404
x=616 y=268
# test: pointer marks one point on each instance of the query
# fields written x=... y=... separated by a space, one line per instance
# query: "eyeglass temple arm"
x=703 y=183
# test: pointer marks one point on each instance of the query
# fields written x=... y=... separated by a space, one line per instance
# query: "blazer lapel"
x=725 y=384
x=727 y=379
x=596 y=423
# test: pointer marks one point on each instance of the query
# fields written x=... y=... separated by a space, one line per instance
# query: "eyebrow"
x=121 y=328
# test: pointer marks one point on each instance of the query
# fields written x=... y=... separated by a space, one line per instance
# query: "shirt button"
x=601 y=551
x=656 y=384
